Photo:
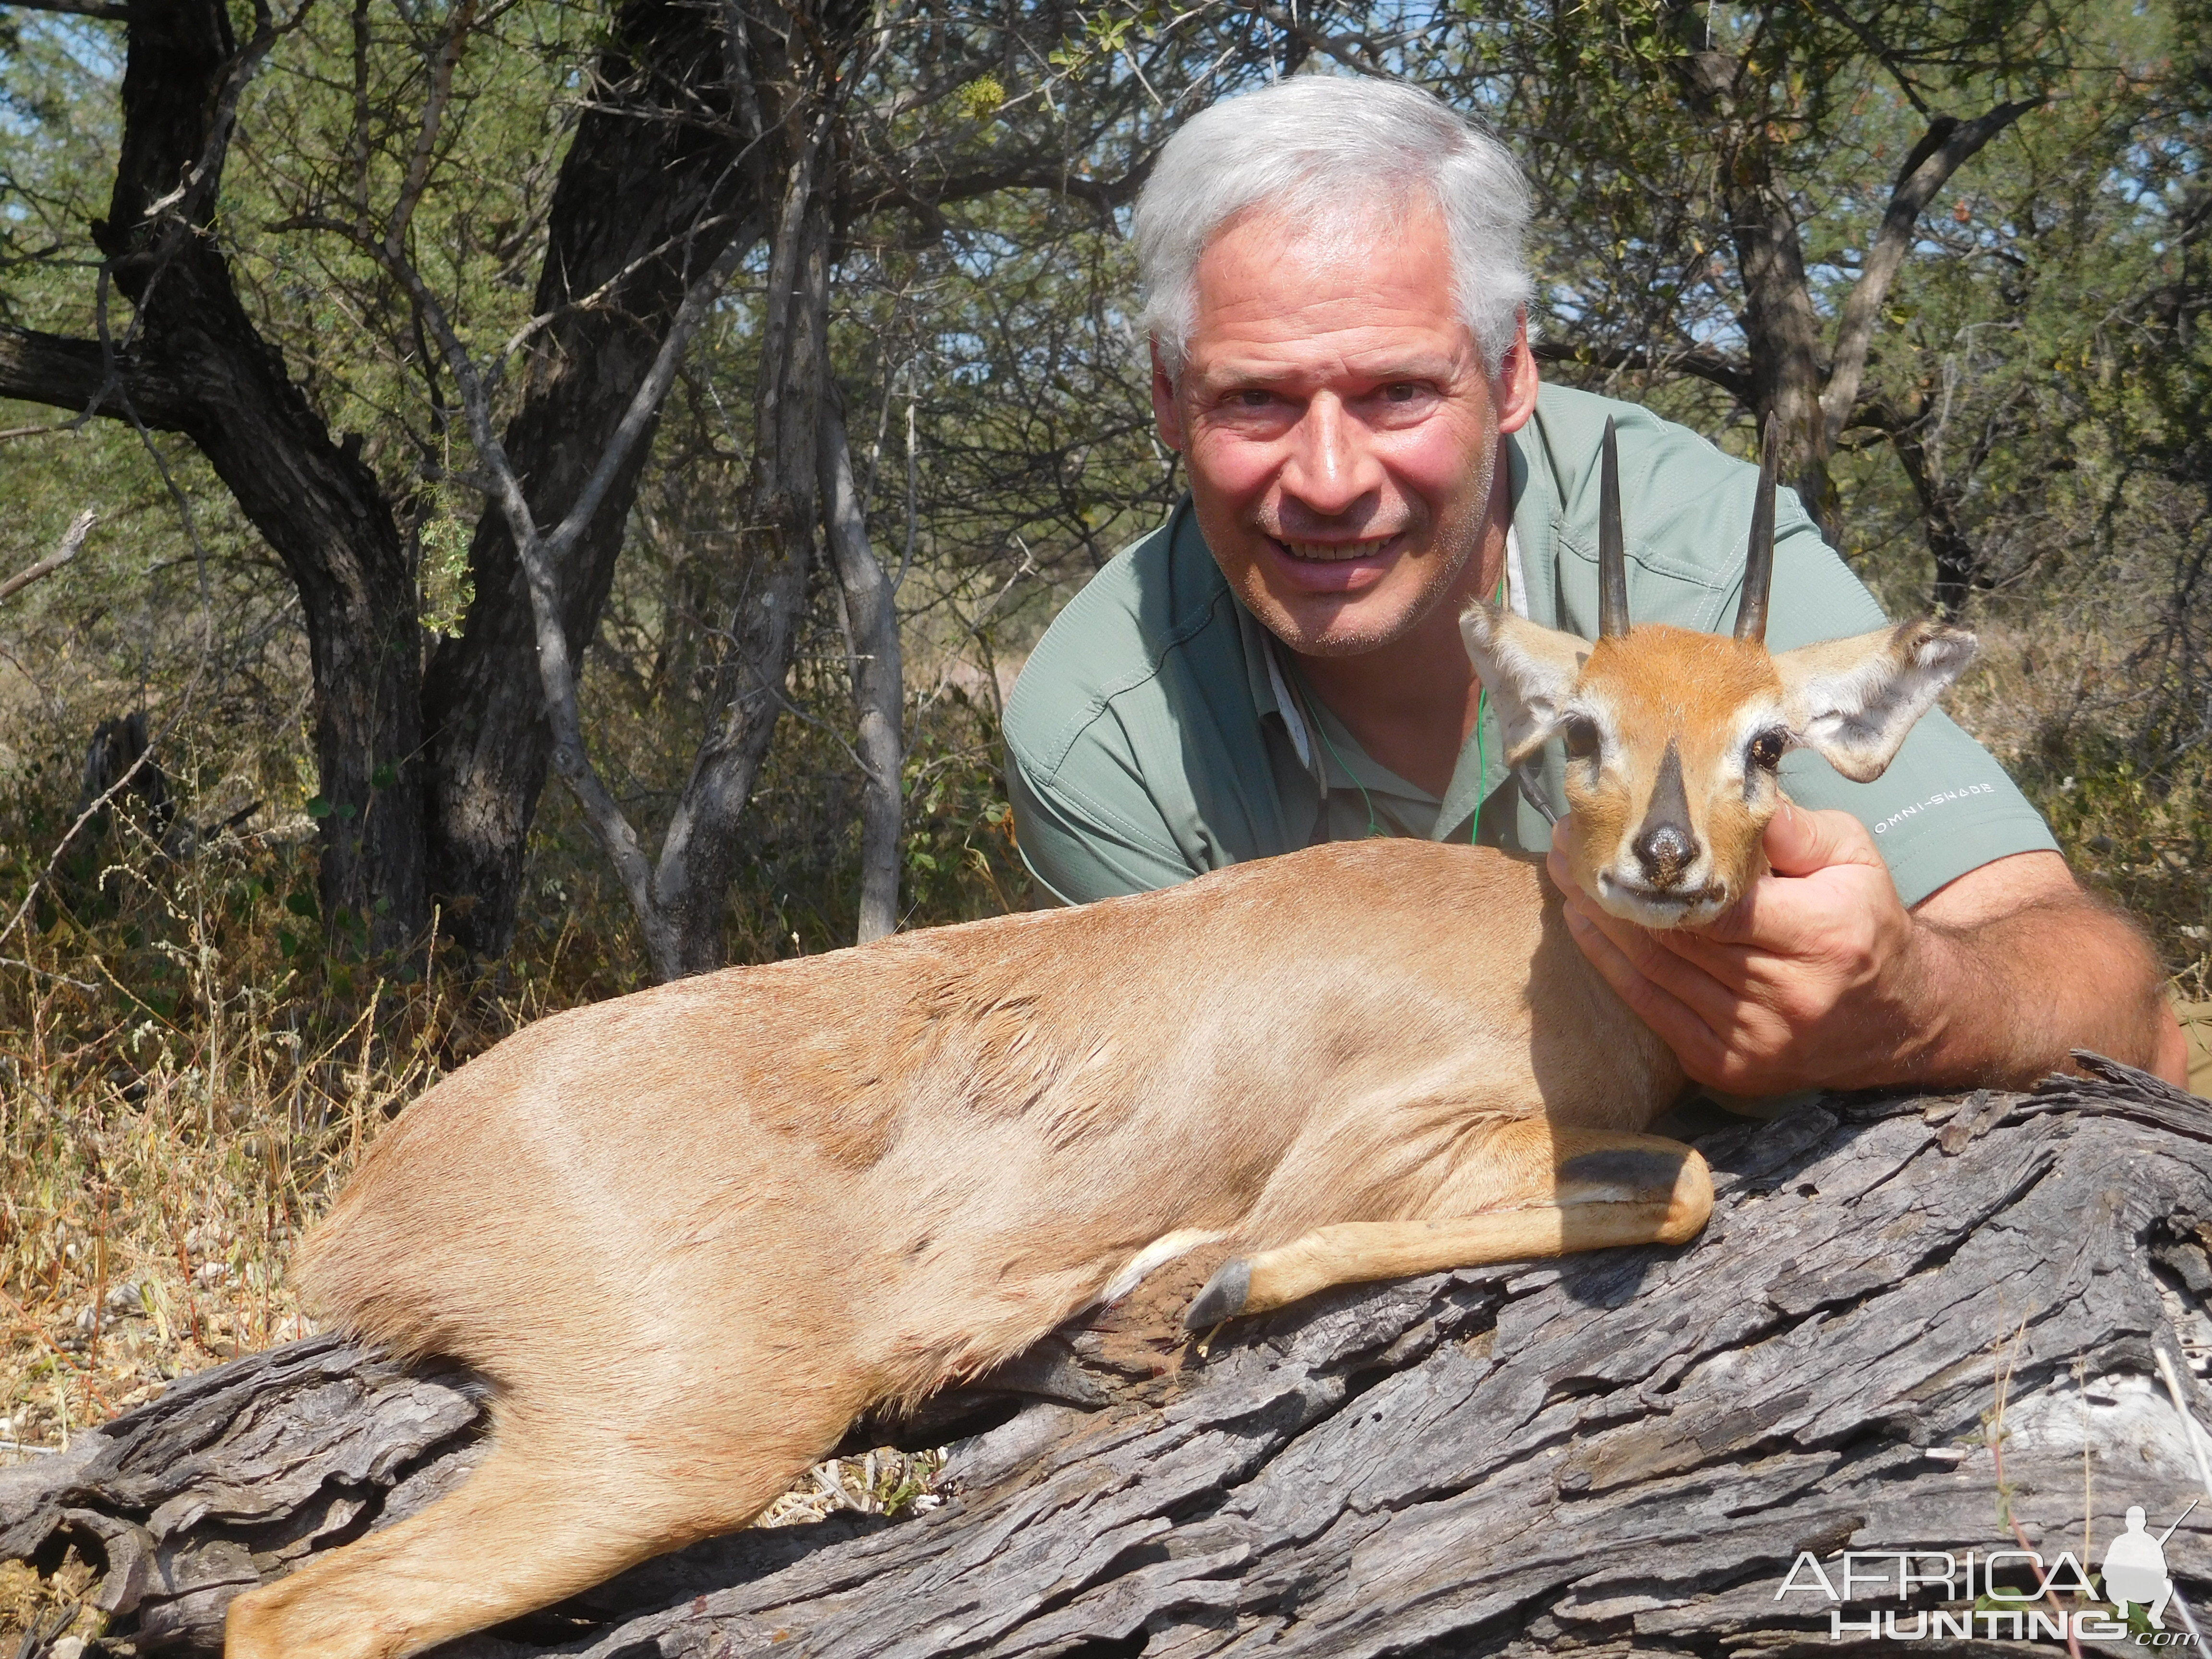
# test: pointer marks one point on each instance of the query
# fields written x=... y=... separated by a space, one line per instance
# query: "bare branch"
x=72 y=539
x=539 y=553
x=65 y=373
x=1947 y=146
x=426 y=139
x=650 y=394
x=748 y=232
x=1728 y=373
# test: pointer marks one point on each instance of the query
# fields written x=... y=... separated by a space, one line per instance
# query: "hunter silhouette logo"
x=2004 y=1594
x=2135 y=1568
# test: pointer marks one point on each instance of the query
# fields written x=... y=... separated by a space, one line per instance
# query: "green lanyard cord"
x=1481 y=749
x=1373 y=828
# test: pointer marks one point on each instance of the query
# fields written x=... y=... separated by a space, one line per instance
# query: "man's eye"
x=1401 y=392
x=1582 y=736
x=1254 y=397
x=1766 y=749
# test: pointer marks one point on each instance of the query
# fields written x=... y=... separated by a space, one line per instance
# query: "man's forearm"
x=2008 y=996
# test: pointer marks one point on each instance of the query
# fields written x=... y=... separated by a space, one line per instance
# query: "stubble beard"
x=1457 y=544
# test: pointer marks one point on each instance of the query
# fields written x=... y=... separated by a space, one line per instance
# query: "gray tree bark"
x=871 y=609
x=655 y=166
x=201 y=367
x=1905 y=1324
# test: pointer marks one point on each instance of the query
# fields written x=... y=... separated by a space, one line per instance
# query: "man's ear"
x=1853 y=700
x=1165 y=415
x=1518 y=380
x=1528 y=671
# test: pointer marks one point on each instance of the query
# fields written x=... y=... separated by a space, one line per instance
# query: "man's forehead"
x=1279 y=301
x=1294 y=361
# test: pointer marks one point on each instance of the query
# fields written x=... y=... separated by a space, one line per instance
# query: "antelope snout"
x=1664 y=843
x=1665 y=851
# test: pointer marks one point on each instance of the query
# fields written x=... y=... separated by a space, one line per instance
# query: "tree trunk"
x=691 y=878
x=1781 y=328
x=1906 y=1319
x=878 y=678
x=206 y=372
x=656 y=154
x=1958 y=562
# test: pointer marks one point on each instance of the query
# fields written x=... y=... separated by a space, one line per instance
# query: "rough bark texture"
x=656 y=153
x=1779 y=322
x=1622 y=1451
x=1958 y=561
x=692 y=879
x=432 y=780
x=872 y=639
x=197 y=364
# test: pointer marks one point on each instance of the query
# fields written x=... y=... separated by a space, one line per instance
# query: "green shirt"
x=1147 y=741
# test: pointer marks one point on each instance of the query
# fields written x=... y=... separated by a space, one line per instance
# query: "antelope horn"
x=1758 y=558
x=1611 y=551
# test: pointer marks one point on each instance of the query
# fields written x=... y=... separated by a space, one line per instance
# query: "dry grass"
x=2048 y=705
x=157 y=1159
x=52 y=1607
x=188 y=1075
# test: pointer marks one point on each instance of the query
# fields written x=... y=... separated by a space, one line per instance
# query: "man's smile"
x=1335 y=552
x=1334 y=567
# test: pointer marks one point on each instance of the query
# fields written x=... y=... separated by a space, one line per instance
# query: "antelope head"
x=1674 y=738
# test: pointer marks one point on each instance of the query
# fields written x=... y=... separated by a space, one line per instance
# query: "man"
x=1336 y=303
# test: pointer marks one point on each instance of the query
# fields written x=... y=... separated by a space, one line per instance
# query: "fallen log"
x=1914 y=1324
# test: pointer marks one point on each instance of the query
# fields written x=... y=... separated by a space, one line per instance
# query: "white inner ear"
x=1854 y=700
x=1529 y=672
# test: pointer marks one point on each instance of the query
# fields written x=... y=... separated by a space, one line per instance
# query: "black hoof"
x=1223 y=1296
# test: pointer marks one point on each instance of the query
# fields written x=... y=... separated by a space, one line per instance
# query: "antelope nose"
x=1665 y=850
x=1664 y=846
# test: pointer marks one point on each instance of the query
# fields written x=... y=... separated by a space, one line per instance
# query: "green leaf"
x=384 y=777
x=981 y=97
x=318 y=807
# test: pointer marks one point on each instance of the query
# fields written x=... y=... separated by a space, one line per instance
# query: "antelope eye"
x=1766 y=749
x=1581 y=734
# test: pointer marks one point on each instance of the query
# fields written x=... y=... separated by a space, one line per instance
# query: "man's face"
x=1340 y=431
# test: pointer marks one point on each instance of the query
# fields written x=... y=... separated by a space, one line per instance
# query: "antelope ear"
x=1528 y=671
x=1853 y=700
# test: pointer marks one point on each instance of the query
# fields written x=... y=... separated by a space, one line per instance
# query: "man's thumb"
x=1799 y=842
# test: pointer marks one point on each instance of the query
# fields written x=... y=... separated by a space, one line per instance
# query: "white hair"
x=1344 y=154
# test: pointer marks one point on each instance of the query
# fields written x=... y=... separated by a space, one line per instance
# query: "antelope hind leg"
x=525 y=1529
x=1575 y=1189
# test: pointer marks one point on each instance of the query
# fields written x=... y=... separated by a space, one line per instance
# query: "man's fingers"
x=1707 y=974
x=1799 y=842
x=1675 y=1022
x=1717 y=954
x=1780 y=916
x=1711 y=1002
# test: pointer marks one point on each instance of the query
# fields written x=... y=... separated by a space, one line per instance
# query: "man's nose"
x=1330 y=465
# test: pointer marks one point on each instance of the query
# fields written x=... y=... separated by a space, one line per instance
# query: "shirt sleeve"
x=1944 y=806
x=1092 y=840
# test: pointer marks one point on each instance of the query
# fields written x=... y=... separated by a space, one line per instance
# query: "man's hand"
x=1819 y=977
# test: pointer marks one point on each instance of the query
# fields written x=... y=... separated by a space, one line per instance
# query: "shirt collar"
x=1480 y=767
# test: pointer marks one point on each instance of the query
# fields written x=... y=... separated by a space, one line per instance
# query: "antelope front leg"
x=1578 y=1189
